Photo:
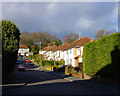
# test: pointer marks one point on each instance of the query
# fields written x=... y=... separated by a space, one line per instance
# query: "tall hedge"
x=102 y=57
x=10 y=45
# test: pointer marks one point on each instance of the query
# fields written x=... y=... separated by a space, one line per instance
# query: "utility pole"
x=40 y=51
x=40 y=47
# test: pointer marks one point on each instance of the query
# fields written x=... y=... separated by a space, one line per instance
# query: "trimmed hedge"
x=62 y=62
x=48 y=63
x=102 y=57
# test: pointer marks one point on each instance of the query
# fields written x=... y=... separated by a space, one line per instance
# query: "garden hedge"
x=10 y=45
x=48 y=63
x=62 y=62
x=102 y=57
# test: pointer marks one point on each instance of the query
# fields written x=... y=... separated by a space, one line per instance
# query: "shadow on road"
x=39 y=81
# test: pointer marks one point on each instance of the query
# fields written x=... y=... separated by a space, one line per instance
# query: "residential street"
x=36 y=80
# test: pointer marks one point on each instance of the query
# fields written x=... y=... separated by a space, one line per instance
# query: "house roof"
x=23 y=47
x=79 y=42
x=64 y=46
x=84 y=40
x=45 y=48
x=53 y=48
x=50 y=48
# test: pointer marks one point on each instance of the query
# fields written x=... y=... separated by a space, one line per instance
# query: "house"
x=49 y=52
x=23 y=50
x=42 y=51
x=60 y=52
x=30 y=53
x=73 y=53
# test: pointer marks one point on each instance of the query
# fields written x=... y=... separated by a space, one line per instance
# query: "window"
x=67 y=52
x=22 y=49
x=70 y=61
x=67 y=61
x=70 y=51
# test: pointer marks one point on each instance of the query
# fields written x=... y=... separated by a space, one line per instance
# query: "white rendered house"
x=74 y=52
x=23 y=50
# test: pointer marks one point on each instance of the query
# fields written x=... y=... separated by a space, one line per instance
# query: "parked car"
x=28 y=61
x=21 y=67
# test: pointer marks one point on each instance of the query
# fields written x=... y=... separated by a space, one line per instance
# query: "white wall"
x=42 y=52
x=69 y=57
x=80 y=59
x=61 y=55
x=23 y=51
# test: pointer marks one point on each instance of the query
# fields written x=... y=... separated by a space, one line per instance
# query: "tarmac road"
x=36 y=80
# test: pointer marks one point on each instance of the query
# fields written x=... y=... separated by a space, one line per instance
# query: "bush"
x=30 y=57
x=48 y=63
x=10 y=45
x=72 y=70
x=102 y=57
x=36 y=58
x=62 y=62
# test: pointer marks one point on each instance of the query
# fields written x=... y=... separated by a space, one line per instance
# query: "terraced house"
x=49 y=52
x=71 y=53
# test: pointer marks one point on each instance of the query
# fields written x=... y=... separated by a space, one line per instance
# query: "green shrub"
x=62 y=62
x=30 y=57
x=10 y=45
x=72 y=70
x=102 y=57
x=48 y=63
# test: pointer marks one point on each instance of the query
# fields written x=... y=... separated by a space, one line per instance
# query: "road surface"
x=36 y=80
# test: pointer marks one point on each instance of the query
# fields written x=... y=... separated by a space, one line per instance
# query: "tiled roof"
x=53 y=48
x=84 y=40
x=45 y=48
x=50 y=48
x=80 y=42
x=23 y=46
x=64 y=46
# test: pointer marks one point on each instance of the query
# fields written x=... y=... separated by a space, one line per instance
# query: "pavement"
x=60 y=74
x=38 y=80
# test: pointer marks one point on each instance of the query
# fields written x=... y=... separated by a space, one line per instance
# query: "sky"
x=62 y=18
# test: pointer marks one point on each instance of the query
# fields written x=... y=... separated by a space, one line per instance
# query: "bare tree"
x=70 y=38
x=102 y=33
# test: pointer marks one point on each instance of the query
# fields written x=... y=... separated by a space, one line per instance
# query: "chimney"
x=79 y=37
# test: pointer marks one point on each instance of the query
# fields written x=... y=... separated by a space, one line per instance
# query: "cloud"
x=63 y=18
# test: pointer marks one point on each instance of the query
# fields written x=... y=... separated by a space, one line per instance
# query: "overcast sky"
x=64 y=18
